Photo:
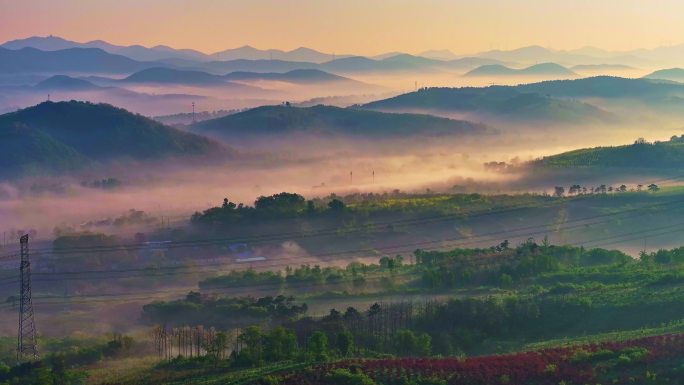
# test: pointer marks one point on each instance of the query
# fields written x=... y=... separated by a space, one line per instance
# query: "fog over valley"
x=341 y=193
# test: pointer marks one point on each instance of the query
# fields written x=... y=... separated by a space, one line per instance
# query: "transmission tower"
x=27 y=348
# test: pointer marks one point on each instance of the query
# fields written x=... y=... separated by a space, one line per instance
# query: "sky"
x=352 y=26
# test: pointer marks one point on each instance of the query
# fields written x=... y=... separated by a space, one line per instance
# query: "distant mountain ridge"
x=69 y=60
x=135 y=52
x=529 y=55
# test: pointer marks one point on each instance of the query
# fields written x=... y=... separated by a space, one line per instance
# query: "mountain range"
x=69 y=60
x=523 y=56
x=162 y=52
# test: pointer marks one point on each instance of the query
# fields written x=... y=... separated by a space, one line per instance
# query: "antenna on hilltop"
x=27 y=347
x=193 y=112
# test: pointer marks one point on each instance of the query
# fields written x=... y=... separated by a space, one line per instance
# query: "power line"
x=458 y=240
x=270 y=286
x=305 y=234
x=27 y=347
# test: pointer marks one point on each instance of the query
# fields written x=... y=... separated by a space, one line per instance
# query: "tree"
x=318 y=346
x=253 y=349
x=280 y=345
x=217 y=347
x=559 y=191
x=653 y=187
x=283 y=202
x=310 y=207
x=345 y=343
x=336 y=205
x=424 y=345
x=228 y=205
x=346 y=377
x=408 y=344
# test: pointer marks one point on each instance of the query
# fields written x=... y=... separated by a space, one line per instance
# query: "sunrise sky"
x=352 y=26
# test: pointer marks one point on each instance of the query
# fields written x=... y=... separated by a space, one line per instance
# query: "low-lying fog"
x=310 y=165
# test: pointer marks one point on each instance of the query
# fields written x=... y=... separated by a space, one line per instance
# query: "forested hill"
x=641 y=154
x=63 y=136
x=269 y=120
x=499 y=102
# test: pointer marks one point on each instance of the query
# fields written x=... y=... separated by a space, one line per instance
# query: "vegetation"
x=643 y=361
x=224 y=312
x=641 y=154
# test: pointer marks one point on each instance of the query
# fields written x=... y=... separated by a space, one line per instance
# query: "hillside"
x=63 y=82
x=498 y=102
x=601 y=67
x=173 y=76
x=295 y=76
x=63 y=136
x=544 y=69
x=269 y=120
x=673 y=74
x=605 y=87
x=661 y=155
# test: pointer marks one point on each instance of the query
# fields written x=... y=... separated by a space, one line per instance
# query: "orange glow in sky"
x=352 y=26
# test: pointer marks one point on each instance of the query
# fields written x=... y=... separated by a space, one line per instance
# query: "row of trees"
x=576 y=189
x=273 y=206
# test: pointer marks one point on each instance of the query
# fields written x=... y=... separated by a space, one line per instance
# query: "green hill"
x=51 y=137
x=661 y=155
x=270 y=120
x=28 y=150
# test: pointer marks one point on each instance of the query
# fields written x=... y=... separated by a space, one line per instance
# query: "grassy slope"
x=667 y=155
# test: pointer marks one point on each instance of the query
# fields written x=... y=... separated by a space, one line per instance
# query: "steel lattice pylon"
x=27 y=347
